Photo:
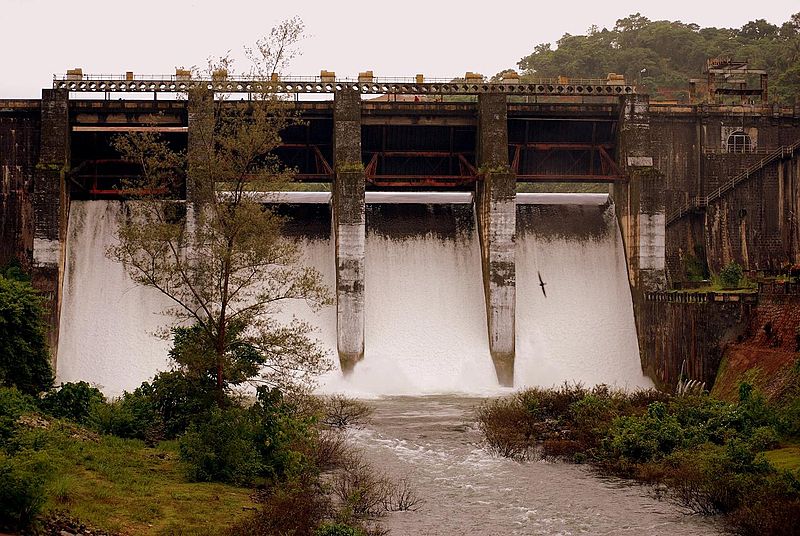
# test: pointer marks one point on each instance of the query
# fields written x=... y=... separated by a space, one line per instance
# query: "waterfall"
x=426 y=326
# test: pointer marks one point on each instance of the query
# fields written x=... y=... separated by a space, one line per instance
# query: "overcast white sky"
x=392 y=37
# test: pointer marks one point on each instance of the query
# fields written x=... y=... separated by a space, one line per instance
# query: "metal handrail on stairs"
x=703 y=201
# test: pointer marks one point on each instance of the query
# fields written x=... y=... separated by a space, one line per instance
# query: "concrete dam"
x=445 y=277
x=425 y=320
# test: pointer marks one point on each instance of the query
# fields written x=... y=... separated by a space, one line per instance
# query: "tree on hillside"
x=220 y=257
x=24 y=358
x=671 y=53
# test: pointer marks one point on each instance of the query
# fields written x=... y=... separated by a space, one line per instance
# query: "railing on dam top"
x=779 y=288
x=701 y=202
x=318 y=84
x=700 y=297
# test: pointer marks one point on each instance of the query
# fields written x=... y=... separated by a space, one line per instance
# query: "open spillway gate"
x=360 y=147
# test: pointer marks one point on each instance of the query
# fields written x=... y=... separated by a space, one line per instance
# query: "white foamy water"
x=425 y=322
x=108 y=322
x=425 y=314
x=583 y=330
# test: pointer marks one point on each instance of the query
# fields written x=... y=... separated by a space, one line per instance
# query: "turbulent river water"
x=434 y=443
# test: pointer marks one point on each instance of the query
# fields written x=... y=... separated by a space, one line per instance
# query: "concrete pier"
x=51 y=206
x=348 y=227
x=640 y=200
x=495 y=208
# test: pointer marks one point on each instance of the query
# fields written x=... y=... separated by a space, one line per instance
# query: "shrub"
x=297 y=507
x=73 y=401
x=507 y=427
x=337 y=529
x=13 y=404
x=222 y=447
x=643 y=439
x=22 y=489
x=132 y=416
x=341 y=411
x=24 y=358
x=362 y=490
x=712 y=479
x=178 y=400
x=772 y=507
x=730 y=275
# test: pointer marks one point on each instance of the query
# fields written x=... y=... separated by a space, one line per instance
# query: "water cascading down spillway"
x=425 y=316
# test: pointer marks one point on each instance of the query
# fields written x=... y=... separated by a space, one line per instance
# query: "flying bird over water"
x=542 y=284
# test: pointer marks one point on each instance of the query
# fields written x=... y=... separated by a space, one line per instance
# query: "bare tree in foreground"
x=220 y=257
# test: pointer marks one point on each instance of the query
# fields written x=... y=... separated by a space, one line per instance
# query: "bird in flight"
x=542 y=284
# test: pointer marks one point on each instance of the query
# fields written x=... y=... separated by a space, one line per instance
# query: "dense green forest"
x=662 y=55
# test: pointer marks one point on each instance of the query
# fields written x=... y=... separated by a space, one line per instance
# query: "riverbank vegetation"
x=711 y=457
x=159 y=461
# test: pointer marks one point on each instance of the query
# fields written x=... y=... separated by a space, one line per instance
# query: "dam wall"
x=666 y=155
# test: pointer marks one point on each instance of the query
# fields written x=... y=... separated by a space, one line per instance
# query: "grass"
x=124 y=486
x=787 y=458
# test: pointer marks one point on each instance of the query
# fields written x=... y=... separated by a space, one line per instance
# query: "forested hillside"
x=662 y=55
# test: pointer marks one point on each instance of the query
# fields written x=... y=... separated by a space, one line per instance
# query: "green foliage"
x=161 y=409
x=178 y=399
x=731 y=275
x=13 y=404
x=195 y=354
x=645 y=438
x=73 y=401
x=22 y=489
x=711 y=479
x=222 y=447
x=337 y=529
x=270 y=440
x=132 y=416
x=671 y=53
x=24 y=358
x=284 y=435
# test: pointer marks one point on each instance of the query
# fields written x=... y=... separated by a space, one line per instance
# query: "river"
x=434 y=442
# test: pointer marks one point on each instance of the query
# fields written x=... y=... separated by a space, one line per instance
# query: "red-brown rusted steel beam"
x=322 y=162
x=515 y=161
x=417 y=154
x=605 y=157
x=421 y=180
x=466 y=164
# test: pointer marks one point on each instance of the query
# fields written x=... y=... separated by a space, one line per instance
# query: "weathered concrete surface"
x=753 y=225
x=51 y=206
x=695 y=332
x=495 y=207
x=640 y=200
x=19 y=147
x=641 y=213
x=349 y=228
